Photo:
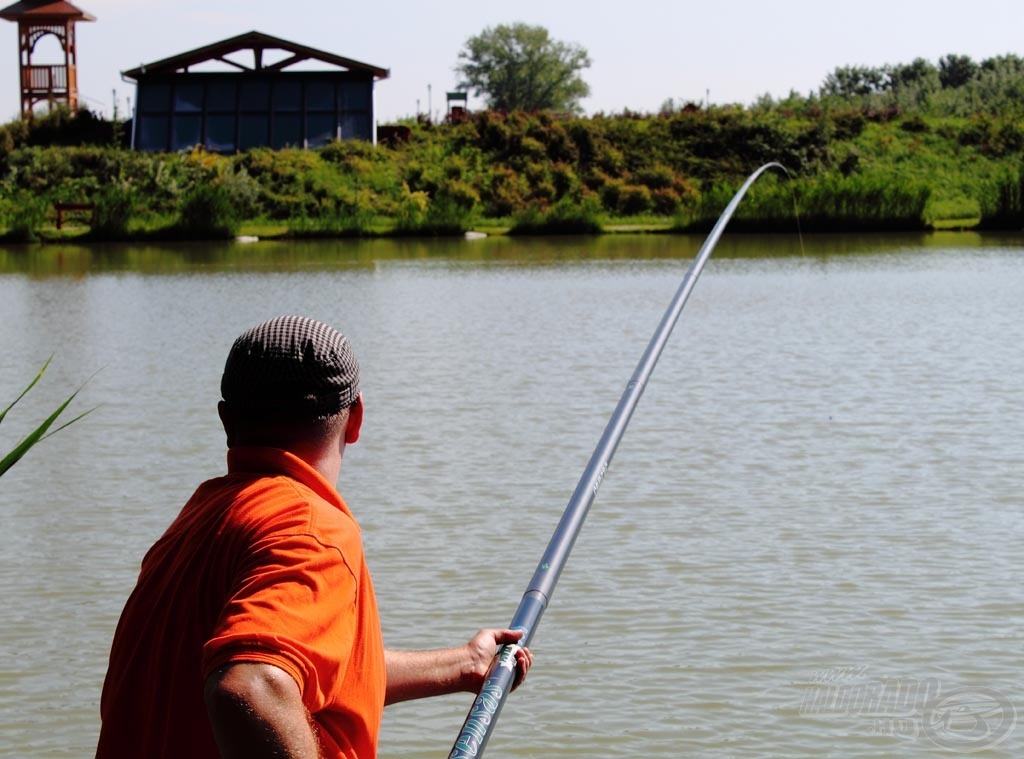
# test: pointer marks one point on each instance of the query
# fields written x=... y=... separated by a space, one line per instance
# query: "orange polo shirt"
x=265 y=565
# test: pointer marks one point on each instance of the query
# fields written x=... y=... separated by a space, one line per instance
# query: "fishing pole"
x=483 y=715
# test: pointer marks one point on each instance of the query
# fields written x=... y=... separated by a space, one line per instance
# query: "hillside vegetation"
x=903 y=147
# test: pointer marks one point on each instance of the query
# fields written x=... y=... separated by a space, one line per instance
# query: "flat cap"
x=291 y=366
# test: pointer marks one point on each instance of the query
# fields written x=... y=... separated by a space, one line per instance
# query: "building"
x=244 y=92
x=52 y=82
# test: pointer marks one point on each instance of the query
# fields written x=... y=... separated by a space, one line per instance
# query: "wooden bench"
x=77 y=208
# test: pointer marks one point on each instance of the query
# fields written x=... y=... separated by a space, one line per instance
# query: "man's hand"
x=482 y=648
x=420 y=674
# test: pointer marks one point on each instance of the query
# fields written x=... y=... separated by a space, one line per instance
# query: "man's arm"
x=420 y=674
x=256 y=711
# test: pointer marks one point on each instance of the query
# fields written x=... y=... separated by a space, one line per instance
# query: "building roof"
x=44 y=10
x=256 y=42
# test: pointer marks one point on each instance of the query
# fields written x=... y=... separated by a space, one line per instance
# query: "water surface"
x=820 y=488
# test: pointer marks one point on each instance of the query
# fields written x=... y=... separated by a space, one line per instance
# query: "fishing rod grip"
x=500 y=678
x=484 y=714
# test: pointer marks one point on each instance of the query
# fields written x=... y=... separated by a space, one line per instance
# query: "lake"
x=809 y=543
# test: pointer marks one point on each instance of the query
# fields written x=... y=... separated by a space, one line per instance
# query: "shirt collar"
x=275 y=461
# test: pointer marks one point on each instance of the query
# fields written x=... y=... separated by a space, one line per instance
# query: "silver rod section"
x=485 y=710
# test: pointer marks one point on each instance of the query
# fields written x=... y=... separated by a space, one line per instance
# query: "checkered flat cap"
x=291 y=366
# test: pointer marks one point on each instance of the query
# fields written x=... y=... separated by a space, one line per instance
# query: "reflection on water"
x=821 y=482
x=292 y=255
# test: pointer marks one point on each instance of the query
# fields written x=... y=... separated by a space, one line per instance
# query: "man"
x=253 y=629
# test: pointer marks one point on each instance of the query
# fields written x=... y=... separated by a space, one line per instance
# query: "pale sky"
x=643 y=51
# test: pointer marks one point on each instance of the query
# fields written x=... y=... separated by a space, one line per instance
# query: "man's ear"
x=355 y=421
x=227 y=421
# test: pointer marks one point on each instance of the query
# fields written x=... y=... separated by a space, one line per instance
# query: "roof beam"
x=257 y=43
x=288 y=62
x=236 y=64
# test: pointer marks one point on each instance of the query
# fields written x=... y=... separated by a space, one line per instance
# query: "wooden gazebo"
x=245 y=92
x=49 y=82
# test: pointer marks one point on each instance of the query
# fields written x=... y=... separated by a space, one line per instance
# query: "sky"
x=642 y=51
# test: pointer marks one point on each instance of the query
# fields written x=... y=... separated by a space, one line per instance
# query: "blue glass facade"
x=229 y=112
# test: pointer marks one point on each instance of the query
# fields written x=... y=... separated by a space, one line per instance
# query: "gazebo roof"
x=44 y=10
x=255 y=42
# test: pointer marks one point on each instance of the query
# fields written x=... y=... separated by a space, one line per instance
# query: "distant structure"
x=51 y=83
x=245 y=94
x=458 y=106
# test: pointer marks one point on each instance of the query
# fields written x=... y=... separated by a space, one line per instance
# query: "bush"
x=635 y=199
x=567 y=217
x=611 y=194
x=345 y=221
x=449 y=212
x=915 y=125
x=26 y=214
x=848 y=124
x=1003 y=204
x=207 y=212
x=505 y=193
x=666 y=200
x=657 y=177
x=830 y=203
x=564 y=179
x=115 y=205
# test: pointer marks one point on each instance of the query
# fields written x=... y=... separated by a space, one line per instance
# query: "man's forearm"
x=422 y=674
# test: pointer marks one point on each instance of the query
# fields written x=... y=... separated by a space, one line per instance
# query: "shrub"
x=564 y=179
x=526 y=149
x=115 y=204
x=1009 y=139
x=541 y=185
x=460 y=193
x=584 y=137
x=207 y=212
x=830 y=203
x=568 y=216
x=1002 y=206
x=915 y=125
x=665 y=200
x=656 y=177
x=494 y=133
x=635 y=199
x=348 y=220
x=505 y=193
x=25 y=216
x=446 y=213
x=413 y=208
x=559 y=146
x=976 y=133
x=848 y=124
x=243 y=191
x=611 y=194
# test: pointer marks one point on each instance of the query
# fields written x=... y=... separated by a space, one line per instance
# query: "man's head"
x=290 y=381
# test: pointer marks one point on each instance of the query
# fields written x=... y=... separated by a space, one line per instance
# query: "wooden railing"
x=47 y=78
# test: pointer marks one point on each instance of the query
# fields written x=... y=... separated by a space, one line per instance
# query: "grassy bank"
x=860 y=168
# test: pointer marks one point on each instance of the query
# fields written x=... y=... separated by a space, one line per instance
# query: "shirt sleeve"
x=293 y=606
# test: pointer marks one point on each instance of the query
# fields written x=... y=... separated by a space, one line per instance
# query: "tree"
x=956 y=70
x=853 y=81
x=519 y=67
x=920 y=73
